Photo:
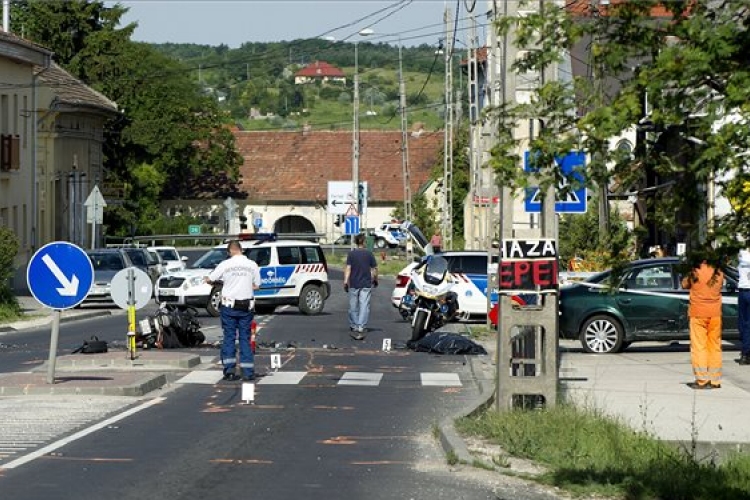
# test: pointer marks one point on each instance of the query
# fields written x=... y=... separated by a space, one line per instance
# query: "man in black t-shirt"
x=360 y=277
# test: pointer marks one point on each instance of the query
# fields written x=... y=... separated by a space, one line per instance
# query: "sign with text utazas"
x=528 y=266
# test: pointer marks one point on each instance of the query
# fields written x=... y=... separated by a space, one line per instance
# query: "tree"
x=9 y=246
x=167 y=128
x=575 y=239
x=423 y=216
x=691 y=66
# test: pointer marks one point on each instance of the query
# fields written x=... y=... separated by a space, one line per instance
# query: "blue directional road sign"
x=60 y=275
x=258 y=222
x=575 y=201
x=351 y=225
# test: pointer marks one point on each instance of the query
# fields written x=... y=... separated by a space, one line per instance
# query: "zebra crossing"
x=30 y=422
x=354 y=378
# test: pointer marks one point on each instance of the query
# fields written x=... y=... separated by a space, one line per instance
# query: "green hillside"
x=254 y=84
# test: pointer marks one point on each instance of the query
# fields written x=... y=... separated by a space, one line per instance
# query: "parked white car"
x=390 y=235
x=171 y=259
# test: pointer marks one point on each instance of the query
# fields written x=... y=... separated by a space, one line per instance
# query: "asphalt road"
x=341 y=419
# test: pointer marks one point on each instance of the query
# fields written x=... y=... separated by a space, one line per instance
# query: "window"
x=312 y=255
x=658 y=277
x=261 y=256
x=168 y=254
x=288 y=255
x=138 y=258
x=468 y=264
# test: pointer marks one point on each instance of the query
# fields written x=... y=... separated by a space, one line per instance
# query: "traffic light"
x=361 y=197
x=243 y=222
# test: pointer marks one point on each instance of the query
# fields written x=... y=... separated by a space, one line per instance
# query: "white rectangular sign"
x=340 y=197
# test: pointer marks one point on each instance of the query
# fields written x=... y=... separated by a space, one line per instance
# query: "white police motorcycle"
x=434 y=304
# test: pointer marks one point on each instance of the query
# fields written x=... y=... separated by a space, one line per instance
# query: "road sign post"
x=59 y=276
x=95 y=211
x=131 y=289
x=230 y=214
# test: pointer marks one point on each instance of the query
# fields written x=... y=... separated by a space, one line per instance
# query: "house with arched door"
x=285 y=177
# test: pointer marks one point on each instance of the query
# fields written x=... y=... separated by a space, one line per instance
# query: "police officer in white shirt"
x=240 y=277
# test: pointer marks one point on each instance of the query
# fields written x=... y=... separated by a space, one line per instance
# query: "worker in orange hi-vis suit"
x=704 y=283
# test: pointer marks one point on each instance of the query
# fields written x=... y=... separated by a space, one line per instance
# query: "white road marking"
x=80 y=434
x=209 y=377
x=282 y=378
x=440 y=379
x=360 y=378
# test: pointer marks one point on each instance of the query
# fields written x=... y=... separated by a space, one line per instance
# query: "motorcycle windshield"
x=435 y=270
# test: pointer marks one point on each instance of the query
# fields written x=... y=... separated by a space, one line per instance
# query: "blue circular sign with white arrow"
x=60 y=275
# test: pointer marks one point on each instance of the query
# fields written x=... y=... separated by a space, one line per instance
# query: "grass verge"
x=588 y=453
x=10 y=311
x=388 y=267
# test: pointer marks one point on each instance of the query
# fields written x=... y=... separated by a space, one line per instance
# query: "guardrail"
x=210 y=238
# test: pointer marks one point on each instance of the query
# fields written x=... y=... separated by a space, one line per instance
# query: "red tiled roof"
x=296 y=166
x=320 y=69
x=583 y=8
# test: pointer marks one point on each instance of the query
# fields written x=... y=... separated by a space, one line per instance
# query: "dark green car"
x=648 y=304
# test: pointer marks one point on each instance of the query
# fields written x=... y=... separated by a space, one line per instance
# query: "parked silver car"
x=143 y=260
x=106 y=262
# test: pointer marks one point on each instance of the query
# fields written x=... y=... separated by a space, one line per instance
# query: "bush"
x=8 y=251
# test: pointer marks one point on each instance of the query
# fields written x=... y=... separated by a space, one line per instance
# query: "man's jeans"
x=743 y=320
x=232 y=323
x=359 y=307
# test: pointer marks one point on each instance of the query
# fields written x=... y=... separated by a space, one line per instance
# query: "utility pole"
x=490 y=136
x=447 y=198
x=474 y=111
x=355 y=135
x=527 y=339
x=404 y=138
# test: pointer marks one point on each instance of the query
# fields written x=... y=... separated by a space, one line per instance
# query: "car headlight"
x=194 y=281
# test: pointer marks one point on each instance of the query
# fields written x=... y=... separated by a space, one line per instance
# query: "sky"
x=234 y=22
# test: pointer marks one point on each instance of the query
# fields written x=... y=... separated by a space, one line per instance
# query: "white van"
x=292 y=273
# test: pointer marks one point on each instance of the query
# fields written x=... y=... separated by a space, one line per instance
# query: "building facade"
x=285 y=179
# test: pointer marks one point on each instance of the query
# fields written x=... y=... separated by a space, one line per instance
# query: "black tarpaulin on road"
x=447 y=343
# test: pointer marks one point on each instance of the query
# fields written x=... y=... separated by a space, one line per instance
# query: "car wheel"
x=214 y=301
x=311 y=300
x=380 y=243
x=602 y=335
x=265 y=309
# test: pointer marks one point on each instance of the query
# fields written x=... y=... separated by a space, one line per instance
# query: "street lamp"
x=355 y=125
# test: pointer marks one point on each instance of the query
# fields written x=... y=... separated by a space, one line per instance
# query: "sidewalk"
x=38 y=315
x=645 y=389
x=111 y=373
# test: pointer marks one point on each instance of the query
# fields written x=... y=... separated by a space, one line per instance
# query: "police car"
x=471 y=269
x=390 y=234
x=292 y=272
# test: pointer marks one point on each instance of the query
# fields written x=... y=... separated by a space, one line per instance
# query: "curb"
x=149 y=382
x=451 y=442
x=17 y=326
